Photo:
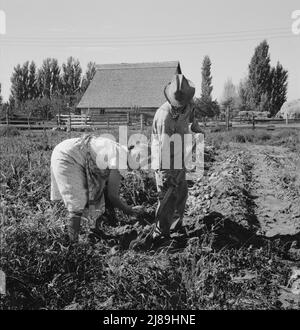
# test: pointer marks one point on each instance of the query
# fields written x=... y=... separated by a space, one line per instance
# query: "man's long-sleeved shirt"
x=164 y=126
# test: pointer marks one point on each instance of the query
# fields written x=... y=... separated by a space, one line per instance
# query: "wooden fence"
x=101 y=121
x=138 y=121
x=268 y=123
x=26 y=123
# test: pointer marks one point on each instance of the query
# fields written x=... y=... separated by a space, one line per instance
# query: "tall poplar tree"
x=259 y=79
x=206 y=84
x=71 y=77
x=278 y=92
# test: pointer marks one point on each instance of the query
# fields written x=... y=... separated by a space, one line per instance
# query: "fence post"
x=107 y=122
x=286 y=119
x=70 y=123
x=58 y=118
x=227 y=118
x=70 y=119
x=142 y=121
x=253 y=121
x=128 y=117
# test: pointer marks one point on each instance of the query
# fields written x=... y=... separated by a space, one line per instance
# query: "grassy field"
x=44 y=272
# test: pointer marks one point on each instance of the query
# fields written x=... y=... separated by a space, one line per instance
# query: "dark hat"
x=180 y=91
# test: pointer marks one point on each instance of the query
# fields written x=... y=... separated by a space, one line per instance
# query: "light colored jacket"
x=69 y=175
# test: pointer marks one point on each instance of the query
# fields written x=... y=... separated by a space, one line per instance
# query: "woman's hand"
x=113 y=195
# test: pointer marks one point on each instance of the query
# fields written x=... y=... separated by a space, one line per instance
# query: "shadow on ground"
x=213 y=230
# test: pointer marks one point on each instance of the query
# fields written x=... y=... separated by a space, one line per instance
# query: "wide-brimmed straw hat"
x=180 y=91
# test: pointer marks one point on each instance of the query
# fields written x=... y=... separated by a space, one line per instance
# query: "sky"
x=131 y=31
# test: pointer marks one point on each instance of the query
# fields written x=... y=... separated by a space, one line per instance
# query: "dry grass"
x=285 y=137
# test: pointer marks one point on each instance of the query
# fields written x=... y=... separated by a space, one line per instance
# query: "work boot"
x=141 y=243
x=178 y=228
x=160 y=241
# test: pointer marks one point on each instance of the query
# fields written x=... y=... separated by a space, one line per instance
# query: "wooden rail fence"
x=139 y=121
x=99 y=121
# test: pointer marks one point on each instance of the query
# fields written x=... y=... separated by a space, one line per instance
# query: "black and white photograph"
x=149 y=159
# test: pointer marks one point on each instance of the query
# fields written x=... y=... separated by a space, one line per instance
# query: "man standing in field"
x=174 y=117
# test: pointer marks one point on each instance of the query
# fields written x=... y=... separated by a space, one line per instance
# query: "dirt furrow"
x=276 y=189
x=225 y=189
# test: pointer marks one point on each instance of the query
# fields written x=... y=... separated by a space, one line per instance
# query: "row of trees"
x=264 y=88
x=42 y=91
x=51 y=88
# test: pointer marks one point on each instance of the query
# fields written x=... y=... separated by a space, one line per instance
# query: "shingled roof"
x=128 y=85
